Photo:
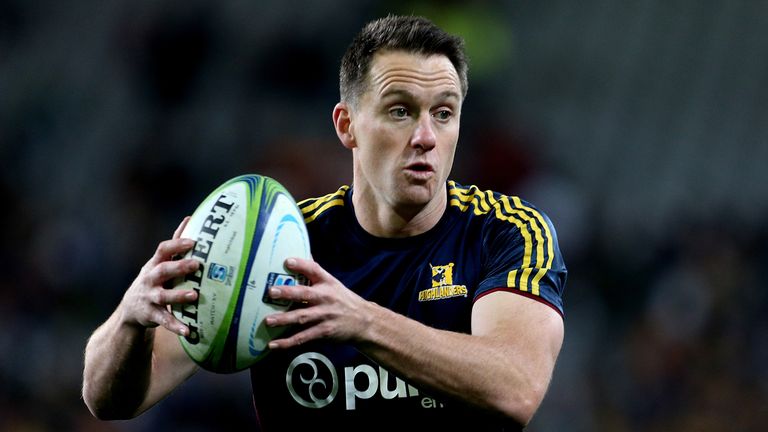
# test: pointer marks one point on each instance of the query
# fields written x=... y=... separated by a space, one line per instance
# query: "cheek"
x=373 y=158
x=383 y=143
x=448 y=152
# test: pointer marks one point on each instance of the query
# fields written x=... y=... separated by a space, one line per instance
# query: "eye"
x=443 y=115
x=398 y=112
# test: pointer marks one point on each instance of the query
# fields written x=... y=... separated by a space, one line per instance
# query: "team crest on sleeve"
x=442 y=284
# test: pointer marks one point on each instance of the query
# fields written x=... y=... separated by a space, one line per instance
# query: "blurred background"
x=640 y=127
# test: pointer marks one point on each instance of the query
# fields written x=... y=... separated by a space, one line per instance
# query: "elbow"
x=521 y=406
x=523 y=411
x=102 y=408
x=106 y=413
x=98 y=409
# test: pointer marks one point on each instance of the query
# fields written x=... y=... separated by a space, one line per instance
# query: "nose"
x=424 y=134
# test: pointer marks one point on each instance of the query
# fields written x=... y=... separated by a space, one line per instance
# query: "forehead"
x=393 y=71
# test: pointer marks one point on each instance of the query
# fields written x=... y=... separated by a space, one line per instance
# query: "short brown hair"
x=398 y=33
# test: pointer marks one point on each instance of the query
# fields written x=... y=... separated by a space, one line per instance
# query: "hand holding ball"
x=244 y=231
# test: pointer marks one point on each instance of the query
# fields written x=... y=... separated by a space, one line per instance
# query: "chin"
x=416 y=195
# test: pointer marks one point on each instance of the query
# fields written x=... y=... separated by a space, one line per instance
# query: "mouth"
x=422 y=167
x=420 y=171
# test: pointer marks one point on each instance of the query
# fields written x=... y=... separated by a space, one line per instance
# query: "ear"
x=342 y=122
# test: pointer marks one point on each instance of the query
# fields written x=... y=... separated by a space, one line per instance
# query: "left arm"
x=505 y=365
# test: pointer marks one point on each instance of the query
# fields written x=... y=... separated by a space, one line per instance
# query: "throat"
x=388 y=221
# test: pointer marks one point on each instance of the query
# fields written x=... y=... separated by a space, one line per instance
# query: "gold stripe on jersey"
x=310 y=204
x=526 y=273
x=540 y=272
x=511 y=277
x=486 y=203
x=461 y=199
x=550 y=248
x=311 y=208
x=547 y=232
x=515 y=212
x=532 y=222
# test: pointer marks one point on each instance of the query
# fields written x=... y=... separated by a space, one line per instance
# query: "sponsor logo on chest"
x=313 y=381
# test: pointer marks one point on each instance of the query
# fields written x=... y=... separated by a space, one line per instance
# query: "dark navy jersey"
x=484 y=242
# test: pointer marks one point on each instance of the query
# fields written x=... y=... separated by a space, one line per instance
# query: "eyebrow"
x=446 y=94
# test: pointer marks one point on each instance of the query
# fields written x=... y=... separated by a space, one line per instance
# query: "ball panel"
x=285 y=236
x=223 y=353
x=218 y=226
x=244 y=230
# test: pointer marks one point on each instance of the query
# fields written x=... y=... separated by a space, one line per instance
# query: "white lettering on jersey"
x=310 y=359
x=321 y=394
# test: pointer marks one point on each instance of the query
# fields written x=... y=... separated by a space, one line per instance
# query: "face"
x=404 y=129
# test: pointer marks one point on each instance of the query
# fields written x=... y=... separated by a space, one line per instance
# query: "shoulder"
x=503 y=211
x=314 y=208
x=512 y=228
x=520 y=244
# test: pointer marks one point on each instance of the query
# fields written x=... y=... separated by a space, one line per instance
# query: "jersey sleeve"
x=521 y=254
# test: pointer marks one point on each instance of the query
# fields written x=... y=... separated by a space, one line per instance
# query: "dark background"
x=640 y=127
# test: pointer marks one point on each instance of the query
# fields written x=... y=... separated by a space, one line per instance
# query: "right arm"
x=134 y=359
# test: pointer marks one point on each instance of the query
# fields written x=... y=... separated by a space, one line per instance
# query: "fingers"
x=299 y=316
x=180 y=229
x=329 y=309
x=166 y=250
x=166 y=319
x=309 y=334
x=159 y=309
x=308 y=268
x=171 y=297
x=301 y=293
x=168 y=270
x=296 y=293
x=147 y=301
x=290 y=342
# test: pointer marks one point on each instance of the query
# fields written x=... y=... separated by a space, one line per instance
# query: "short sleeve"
x=521 y=254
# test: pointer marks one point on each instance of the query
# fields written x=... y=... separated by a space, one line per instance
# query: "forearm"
x=504 y=366
x=481 y=370
x=134 y=359
x=118 y=363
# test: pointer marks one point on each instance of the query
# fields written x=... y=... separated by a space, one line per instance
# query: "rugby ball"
x=244 y=231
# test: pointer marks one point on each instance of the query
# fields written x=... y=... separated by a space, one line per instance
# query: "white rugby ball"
x=244 y=231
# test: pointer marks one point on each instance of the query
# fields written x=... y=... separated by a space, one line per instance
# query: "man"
x=430 y=305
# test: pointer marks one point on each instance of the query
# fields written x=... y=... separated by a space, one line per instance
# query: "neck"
x=382 y=219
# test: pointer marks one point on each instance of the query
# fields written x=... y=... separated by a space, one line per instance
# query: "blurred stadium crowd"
x=639 y=127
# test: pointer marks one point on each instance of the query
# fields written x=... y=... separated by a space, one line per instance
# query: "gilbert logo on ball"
x=244 y=231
